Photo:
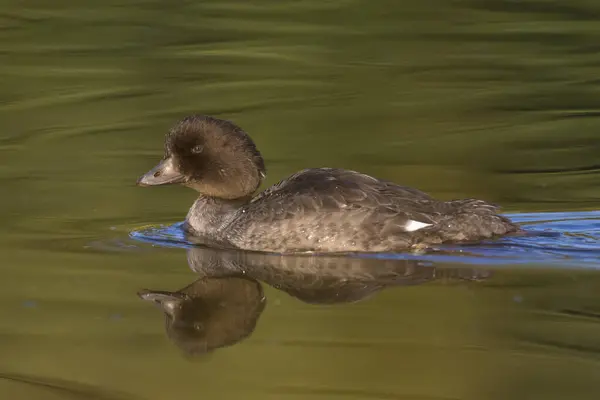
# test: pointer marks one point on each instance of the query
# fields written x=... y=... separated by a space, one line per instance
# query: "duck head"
x=212 y=156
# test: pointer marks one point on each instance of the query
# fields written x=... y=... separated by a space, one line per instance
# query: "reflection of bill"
x=222 y=307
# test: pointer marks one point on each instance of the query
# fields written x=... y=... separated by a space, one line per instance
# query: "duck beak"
x=162 y=174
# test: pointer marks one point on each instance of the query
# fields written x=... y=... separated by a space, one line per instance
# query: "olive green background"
x=492 y=99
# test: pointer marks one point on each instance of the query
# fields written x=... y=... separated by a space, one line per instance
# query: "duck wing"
x=329 y=190
x=333 y=210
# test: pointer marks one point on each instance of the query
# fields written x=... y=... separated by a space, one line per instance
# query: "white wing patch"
x=413 y=225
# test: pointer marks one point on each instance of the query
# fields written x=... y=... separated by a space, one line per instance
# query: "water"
x=489 y=99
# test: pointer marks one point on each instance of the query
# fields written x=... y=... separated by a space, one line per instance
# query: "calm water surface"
x=102 y=297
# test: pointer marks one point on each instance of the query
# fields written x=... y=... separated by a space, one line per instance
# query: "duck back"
x=336 y=210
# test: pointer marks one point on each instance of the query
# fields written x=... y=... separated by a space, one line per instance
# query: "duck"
x=315 y=210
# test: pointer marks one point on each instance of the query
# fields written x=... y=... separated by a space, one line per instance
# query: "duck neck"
x=209 y=215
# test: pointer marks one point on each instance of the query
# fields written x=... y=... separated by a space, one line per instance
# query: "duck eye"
x=197 y=149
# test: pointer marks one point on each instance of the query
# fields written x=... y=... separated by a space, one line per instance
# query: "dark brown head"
x=213 y=156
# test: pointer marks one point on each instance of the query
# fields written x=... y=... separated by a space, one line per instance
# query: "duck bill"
x=162 y=174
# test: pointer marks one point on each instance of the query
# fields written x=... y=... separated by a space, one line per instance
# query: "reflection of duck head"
x=210 y=313
x=222 y=307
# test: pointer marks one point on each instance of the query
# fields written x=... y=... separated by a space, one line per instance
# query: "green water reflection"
x=492 y=99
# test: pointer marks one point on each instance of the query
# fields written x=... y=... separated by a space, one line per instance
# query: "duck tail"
x=473 y=206
x=484 y=215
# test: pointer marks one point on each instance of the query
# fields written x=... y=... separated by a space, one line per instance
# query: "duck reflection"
x=222 y=307
x=210 y=313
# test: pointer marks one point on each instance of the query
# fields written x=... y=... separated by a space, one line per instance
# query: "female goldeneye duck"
x=314 y=210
